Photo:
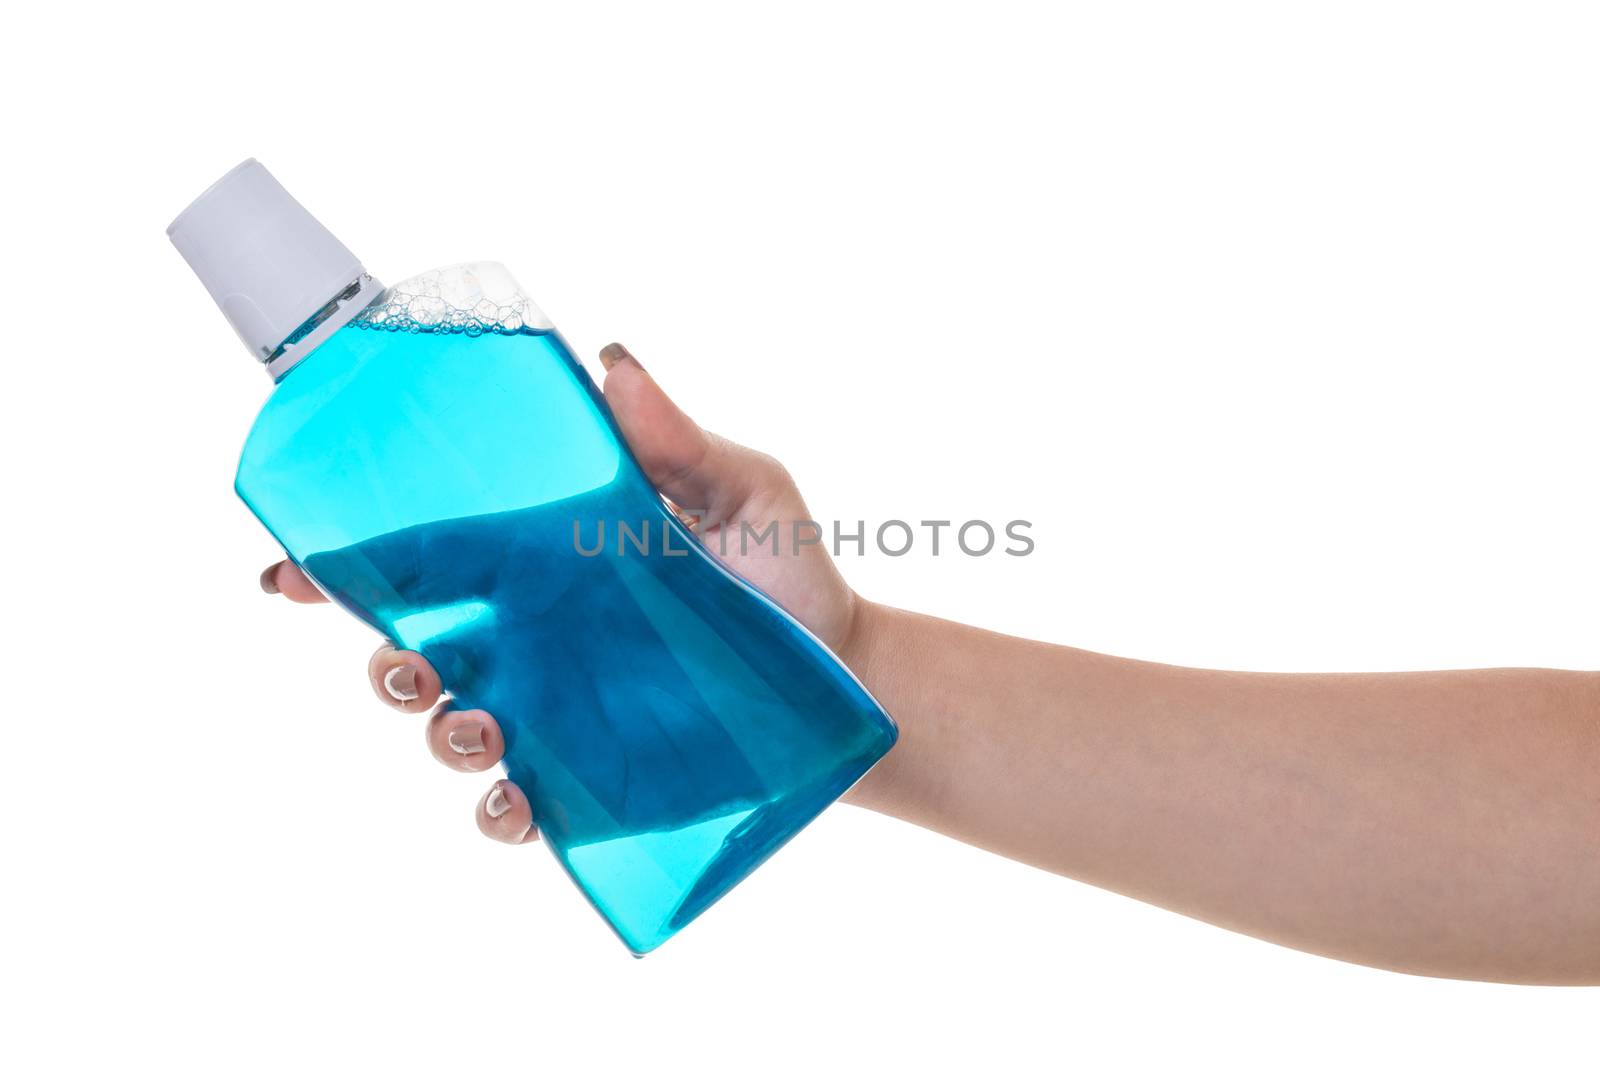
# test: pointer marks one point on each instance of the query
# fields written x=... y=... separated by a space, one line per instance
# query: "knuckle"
x=768 y=476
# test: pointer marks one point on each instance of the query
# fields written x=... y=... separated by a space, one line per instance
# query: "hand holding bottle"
x=713 y=483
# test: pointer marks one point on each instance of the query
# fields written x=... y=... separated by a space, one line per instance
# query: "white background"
x=1279 y=322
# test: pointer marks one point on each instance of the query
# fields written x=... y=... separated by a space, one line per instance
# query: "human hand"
x=715 y=485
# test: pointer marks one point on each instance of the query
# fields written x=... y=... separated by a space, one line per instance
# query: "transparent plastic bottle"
x=438 y=462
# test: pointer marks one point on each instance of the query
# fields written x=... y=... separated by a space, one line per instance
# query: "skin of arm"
x=1442 y=823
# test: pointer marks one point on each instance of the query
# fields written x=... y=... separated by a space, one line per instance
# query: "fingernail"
x=498 y=803
x=401 y=682
x=467 y=740
x=269 y=579
x=690 y=517
x=612 y=354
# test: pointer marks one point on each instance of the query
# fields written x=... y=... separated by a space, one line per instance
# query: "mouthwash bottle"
x=433 y=456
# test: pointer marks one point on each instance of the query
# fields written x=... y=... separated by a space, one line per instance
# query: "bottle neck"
x=344 y=306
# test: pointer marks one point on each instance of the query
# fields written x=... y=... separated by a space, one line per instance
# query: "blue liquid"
x=670 y=724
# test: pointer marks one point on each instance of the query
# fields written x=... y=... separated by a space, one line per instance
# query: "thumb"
x=696 y=470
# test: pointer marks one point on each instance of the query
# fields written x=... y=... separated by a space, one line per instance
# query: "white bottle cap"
x=281 y=279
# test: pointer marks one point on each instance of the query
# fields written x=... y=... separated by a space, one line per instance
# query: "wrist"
x=864 y=651
x=852 y=645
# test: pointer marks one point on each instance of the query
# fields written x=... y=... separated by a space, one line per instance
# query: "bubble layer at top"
x=473 y=298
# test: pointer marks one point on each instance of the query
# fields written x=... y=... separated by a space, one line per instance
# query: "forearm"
x=1442 y=823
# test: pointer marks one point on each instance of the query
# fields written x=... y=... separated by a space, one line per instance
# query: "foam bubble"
x=473 y=298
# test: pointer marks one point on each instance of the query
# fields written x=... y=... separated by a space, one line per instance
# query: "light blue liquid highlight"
x=670 y=724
